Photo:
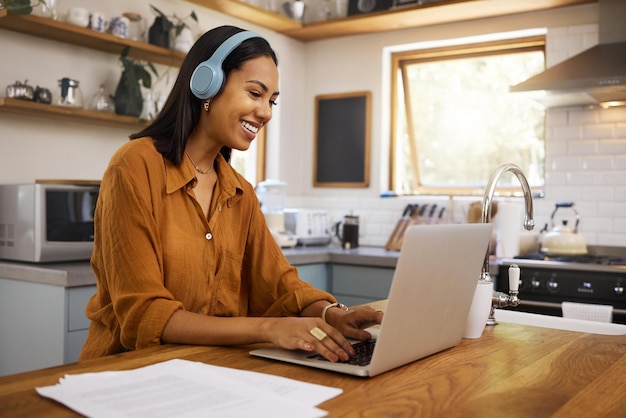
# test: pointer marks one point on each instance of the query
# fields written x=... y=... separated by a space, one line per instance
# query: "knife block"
x=394 y=243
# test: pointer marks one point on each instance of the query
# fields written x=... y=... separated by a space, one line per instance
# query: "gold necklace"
x=198 y=169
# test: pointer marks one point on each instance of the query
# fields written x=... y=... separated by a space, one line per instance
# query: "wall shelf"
x=70 y=114
x=70 y=34
x=445 y=11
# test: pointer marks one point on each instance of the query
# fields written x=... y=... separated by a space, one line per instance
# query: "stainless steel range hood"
x=596 y=76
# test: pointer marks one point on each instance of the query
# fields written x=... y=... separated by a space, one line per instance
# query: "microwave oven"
x=47 y=222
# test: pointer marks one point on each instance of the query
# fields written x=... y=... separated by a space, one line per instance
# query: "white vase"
x=184 y=41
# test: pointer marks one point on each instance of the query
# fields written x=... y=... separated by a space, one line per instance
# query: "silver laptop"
x=429 y=300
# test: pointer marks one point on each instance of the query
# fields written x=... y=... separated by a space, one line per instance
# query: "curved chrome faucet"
x=501 y=299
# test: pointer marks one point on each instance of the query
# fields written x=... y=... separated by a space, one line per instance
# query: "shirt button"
x=209 y=236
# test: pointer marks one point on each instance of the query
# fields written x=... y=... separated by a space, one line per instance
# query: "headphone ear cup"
x=206 y=81
x=208 y=78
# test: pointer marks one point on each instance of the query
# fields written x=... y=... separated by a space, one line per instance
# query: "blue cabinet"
x=316 y=274
x=355 y=285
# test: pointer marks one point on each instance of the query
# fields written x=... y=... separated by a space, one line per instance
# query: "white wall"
x=586 y=149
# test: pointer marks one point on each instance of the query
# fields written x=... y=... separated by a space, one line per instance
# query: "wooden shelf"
x=67 y=33
x=70 y=114
x=249 y=13
x=446 y=11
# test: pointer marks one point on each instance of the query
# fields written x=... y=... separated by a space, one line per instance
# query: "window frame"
x=413 y=56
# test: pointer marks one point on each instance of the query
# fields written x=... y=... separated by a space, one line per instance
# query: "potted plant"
x=20 y=7
x=164 y=26
x=128 y=98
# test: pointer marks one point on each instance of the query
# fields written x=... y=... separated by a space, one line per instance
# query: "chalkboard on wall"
x=342 y=140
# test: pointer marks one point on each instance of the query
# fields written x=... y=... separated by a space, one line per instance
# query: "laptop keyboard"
x=363 y=356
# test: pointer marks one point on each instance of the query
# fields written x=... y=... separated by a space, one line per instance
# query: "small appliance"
x=348 y=231
x=310 y=226
x=272 y=194
x=47 y=221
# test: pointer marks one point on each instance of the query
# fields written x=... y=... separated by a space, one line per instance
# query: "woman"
x=182 y=253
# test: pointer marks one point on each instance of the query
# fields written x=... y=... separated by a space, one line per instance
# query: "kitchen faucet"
x=501 y=299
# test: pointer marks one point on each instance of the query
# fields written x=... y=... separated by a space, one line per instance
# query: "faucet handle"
x=514 y=274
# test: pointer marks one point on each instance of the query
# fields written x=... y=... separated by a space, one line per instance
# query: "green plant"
x=128 y=97
x=135 y=70
x=19 y=7
x=174 y=22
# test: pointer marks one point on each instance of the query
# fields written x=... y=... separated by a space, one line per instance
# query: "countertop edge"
x=79 y=273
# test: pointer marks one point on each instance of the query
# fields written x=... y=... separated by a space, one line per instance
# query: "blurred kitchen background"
x=585 y=159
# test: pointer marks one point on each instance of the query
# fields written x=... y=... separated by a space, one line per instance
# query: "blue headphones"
x=208 y=78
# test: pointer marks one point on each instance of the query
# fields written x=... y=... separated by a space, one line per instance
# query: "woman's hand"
x=352 y=323
x=304 y=334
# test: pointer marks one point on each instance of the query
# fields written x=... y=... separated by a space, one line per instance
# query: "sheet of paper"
x=183 y=388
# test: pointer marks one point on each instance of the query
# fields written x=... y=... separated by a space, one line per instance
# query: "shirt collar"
x=178 y=176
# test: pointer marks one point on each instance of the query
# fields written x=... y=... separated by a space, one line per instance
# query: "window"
x=453 y=120
x=251 y=162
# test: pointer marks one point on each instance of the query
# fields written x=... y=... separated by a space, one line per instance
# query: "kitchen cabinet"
x=356 y=285
x=44 y=324
x=315 y=274
x=84 y=37
x=350 y=284
x=42 y=306
x=41 y=325
x=444 y=11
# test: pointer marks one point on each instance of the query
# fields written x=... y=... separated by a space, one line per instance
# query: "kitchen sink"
x=557 y=322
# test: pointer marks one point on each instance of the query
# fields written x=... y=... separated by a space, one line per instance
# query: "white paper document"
x=184 y=388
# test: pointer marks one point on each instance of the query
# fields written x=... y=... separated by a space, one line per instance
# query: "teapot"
x=562 y=239
x=20 y=90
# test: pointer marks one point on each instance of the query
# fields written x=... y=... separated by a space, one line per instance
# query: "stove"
x=547 y=281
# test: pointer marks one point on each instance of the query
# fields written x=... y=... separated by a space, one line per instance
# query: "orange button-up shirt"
x=155 y=252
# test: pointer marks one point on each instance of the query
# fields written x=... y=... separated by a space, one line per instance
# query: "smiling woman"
x=182 y=253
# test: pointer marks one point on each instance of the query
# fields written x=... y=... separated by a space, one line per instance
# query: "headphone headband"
x=208 y=78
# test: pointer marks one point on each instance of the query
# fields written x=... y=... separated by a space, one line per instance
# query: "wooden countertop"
x=511 y=371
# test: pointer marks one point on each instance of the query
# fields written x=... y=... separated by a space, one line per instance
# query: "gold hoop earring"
x=206 y=105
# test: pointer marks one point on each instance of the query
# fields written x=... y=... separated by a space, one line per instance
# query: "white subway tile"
x=567 y=163
x=619 y=227
x=597 y=193
x=582 y=178
x=612 y=146
x=612 y=209
x=617 y=178
x=597 y=162
x=615 y=114
x=556 y=117
x=557 y=178
x=600 y=131
x=582 y=147
x=620 y=193
x=566 y=193
x=583 y=117
x=567 y=132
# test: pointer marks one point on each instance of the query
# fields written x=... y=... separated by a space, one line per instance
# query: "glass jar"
x=100 y=102
x=69 y=93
